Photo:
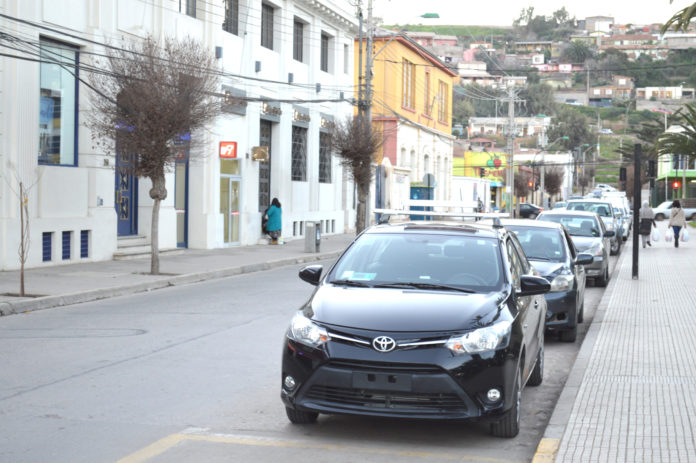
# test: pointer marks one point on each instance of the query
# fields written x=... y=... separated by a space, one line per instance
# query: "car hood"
x=388 y=309
x=583 y=243
x=546 y=268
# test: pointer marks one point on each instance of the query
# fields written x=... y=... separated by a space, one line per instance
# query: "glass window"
x=58 y=104
x=267 y=26
x=231 y=23
x=345 y=58
x=443 y=100
x=427 y=102
x=299 y=154
x=324 y=158
x=541 y=244
x=265 y=131
x=324 y=52
x=298 y=40
x=408 y=78
x=515 y=266
x=188 y=7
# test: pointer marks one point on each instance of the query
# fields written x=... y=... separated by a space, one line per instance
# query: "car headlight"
x=562 y=283
x=596 y=250
x=304 y=330
x=481 y=340
x=610 y=226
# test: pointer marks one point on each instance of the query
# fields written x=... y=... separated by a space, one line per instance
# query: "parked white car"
x=662 y=211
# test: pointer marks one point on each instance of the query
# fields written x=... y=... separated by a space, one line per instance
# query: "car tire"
x=659 y=217
x=532 y=216
x=509 y=425
x=537 y=376
x=300 y=416
x=615 y=249
x=581 y=313
x=604 y=279
x=569 y=335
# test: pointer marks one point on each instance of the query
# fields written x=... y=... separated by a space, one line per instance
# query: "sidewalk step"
x=141 y=252
x=132 y=240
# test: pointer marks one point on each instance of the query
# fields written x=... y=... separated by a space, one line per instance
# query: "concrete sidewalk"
x=55 y=286
x=631 y=395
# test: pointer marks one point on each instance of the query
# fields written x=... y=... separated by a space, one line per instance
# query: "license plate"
x=382 y=381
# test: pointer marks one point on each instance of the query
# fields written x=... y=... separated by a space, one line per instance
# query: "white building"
x=559 y=161
x=80 y=207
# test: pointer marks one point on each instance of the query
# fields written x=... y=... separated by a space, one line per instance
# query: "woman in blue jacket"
x=275 y=222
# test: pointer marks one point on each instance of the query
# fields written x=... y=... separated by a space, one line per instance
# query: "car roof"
x=589 y=200
x=567 y=212
x=532 y=223
x=488 y=230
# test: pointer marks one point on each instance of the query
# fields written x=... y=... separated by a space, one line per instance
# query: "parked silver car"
x=590 y=236
x=605 y=210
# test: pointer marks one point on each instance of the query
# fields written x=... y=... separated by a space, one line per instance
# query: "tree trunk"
x=158 y=192
x=360 y=223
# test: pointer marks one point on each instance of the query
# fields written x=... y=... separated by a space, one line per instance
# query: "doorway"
x=125 y=198
x=230 y=200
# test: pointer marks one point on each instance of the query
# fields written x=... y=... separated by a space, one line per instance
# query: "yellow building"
x=412 y=106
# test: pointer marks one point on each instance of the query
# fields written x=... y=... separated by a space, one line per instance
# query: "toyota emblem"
x=383 y=344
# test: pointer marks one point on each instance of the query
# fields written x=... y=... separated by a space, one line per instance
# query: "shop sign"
x=228 y=149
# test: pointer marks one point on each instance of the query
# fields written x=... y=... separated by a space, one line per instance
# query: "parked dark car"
x=424 y=320
x=590 y=236
x=551 y=251
x=529 y=211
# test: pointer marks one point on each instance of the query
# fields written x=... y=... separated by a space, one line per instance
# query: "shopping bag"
x=655 y=236
x=684 y=235
x=669 y=234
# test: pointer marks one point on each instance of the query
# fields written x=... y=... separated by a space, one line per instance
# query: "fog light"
x=493 y=395
x=289 y=383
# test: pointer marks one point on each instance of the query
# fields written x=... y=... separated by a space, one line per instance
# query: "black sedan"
x=419 y=320
x=529 y=211
x=551 y=251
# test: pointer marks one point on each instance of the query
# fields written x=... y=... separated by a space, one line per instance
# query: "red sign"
x=228 y=149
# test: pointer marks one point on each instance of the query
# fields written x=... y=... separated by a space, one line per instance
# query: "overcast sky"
x=503 y=12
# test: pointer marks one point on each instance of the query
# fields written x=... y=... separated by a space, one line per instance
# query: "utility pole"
x=368 y=64
x=637 y=148
x=510 y=178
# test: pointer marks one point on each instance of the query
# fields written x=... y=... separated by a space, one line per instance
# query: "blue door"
x=126 y=199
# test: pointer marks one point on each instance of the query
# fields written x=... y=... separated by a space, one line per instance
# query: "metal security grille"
x=84 y=244
x=299 y=153
x=67 y=238
x=324 y=52
x=46 y=245
x=267 y=26
x=324 y=158
x=231 y=23
x=265 y=131
x=298 y=41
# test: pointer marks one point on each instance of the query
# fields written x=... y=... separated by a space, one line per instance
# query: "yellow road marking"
x=546 y=451
x=161 y=446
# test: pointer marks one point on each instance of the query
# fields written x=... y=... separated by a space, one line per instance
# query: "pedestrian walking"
x=677 y=220
x=275 y=222
x=479 y=208
x=647 y=221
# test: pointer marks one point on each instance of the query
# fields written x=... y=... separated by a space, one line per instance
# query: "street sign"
x=228 y=149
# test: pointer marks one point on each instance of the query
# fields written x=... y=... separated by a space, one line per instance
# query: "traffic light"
x=483 y=172
x=622 y=174
x=676 y=185
x=652 y=173
x=530 y=184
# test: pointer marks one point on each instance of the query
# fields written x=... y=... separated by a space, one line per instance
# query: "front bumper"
x=561 y=310
x=596 y=268
x=425 y=382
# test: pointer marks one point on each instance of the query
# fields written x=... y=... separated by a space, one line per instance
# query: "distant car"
x=551 y=251
x=662 y=211
x=605 y=210
x=559 y=205
x=606 y=131
x=604 y=187
x=589 y=236
x=529 y=211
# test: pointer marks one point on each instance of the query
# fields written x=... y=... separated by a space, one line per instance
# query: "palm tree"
x=681 y=19
x=684 y=141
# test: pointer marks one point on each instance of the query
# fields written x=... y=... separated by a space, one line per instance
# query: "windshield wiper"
x=538 y=258
x=356 y=283
x=423 y=286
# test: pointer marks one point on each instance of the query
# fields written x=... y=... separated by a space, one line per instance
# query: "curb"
x=551 y=440
x=48 y=302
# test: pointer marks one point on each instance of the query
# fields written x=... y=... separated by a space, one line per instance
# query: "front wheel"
x=569 y=335
x=300 y=417
x=616 y=245
x=537 y=376
x=509 y=424
x=659 y=217
x=604 y=279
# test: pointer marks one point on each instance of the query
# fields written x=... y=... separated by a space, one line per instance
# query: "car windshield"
x=459 y=261
x=559 y=205
x=541 y=243
x=603 y=209
x=576 y=226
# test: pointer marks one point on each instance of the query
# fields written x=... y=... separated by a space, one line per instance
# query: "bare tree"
x=356 y=142
x=149 y=96
x=553 y=179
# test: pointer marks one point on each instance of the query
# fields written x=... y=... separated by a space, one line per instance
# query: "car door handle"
x=524 y=326
x=536 y=303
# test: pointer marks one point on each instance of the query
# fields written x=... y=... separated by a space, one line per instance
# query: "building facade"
x=287 y=73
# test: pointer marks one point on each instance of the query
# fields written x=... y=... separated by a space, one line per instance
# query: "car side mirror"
x=311 y=274
x=609 y=233
x=584 y=259
x=532 y=285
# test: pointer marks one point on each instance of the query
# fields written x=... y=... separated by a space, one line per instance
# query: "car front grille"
x=387 y=400
x=385 y=367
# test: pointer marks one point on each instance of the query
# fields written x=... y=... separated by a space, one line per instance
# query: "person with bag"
x=677 y=220
x=275 y=222
x=647 y=221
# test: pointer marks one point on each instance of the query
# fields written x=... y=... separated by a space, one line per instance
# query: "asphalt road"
x=192 y=373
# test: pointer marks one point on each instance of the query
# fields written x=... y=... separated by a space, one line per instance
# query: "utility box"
x=312 y=236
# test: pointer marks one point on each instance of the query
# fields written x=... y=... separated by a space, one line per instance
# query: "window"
x=345 y=58
x=324 y=52
x=58 y=104
x=267 y=26
x=67 y=239
x=84 y=244
x=428 y=105
x=188 y=7
x=46 y=246
x=443 y=97
x=231 y=23
x=299 y=154
x=298 y=40
x=407 y=81
x=265 y=133
x=324 y=158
